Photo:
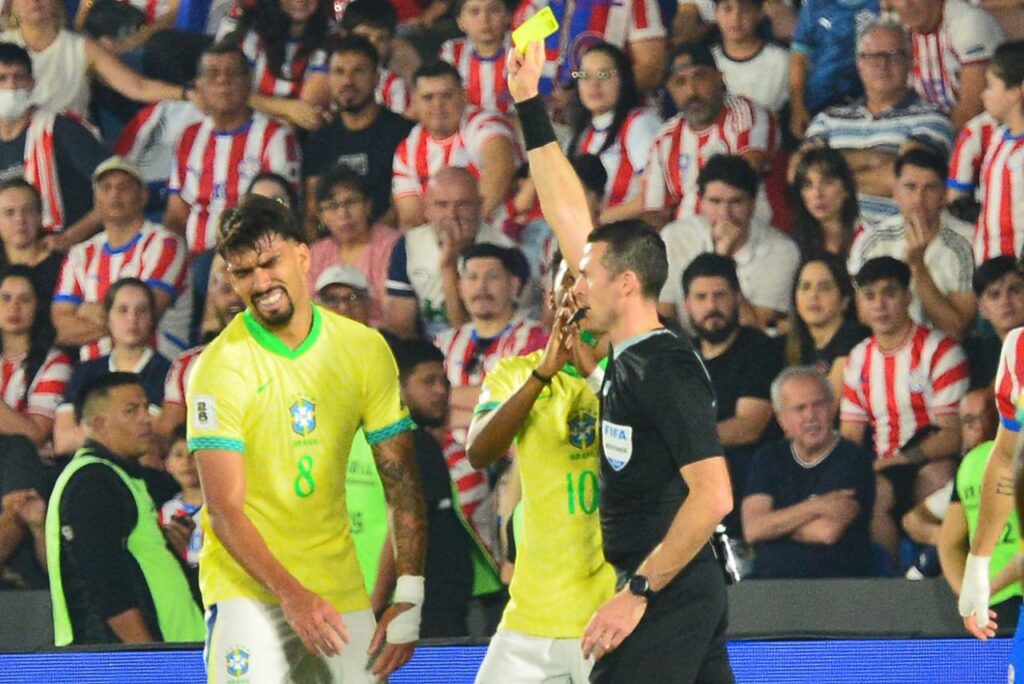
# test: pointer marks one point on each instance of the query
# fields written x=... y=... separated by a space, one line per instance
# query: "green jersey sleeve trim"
x=393 y=430
x=273 y=344
x=486 y=407
x=216 y=443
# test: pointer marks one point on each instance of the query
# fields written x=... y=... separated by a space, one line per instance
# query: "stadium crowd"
x=840 y=187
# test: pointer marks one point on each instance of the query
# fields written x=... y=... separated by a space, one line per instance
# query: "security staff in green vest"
x=112 y=576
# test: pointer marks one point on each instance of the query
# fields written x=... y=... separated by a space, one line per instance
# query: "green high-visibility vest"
x=177 y=614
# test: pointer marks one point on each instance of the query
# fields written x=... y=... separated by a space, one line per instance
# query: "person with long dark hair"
x=823 y=325
x=285 y=41
x=826 y=216
x=608 y=119
x=34 y=374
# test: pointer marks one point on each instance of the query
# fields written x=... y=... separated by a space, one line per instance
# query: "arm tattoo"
x=1004 y=486
x=400 y=476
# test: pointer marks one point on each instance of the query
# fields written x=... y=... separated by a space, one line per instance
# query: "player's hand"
x=974 y=596
x=385 y=658
x=524 y=71
x=583 y=355
x=317 y=623
x=612 y=623
x=558 y=350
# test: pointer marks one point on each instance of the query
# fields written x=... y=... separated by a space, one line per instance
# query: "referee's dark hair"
x=711 y=265
x=730 y=169
x=411 y=353
x=99 y=388
x=634 y=246
x=992 y=270
x=252 y=221
x=883 y=268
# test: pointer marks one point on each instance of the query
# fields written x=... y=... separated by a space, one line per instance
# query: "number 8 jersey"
x=561 y=576
x=292 y=415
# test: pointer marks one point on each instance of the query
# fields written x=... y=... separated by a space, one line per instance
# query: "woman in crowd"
x=285 y=44
x=63 y=61
x=21 y=236
x=608 y=119
x=34 y=374
x=344 y=209
x=823 y=326
x=826 y=216
x=274 y=186
x=130 y=305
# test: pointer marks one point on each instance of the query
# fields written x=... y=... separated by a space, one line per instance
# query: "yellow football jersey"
x=292 y=415
x=561 y=576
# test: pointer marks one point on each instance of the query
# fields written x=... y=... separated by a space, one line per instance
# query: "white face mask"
x=14 y=103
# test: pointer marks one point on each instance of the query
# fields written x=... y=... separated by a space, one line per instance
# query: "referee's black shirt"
x=657 y=415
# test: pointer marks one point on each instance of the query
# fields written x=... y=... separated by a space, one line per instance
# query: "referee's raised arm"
x=559 y=189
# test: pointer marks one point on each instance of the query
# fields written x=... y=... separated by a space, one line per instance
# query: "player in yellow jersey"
x=273 y=404
x=551 y=410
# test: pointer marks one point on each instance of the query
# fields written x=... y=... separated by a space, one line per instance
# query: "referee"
x=664 y=485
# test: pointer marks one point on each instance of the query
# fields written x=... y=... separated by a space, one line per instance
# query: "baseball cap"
x=690 y=55
x=118 y=163
x=349 y=276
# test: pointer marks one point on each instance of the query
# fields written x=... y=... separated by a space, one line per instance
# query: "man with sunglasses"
x=874 y=130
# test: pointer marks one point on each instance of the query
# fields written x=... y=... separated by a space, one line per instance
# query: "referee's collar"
x=636 y=339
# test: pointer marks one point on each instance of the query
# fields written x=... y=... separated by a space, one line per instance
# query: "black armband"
x=536 y=124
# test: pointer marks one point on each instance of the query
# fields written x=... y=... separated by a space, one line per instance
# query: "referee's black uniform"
x=657 y=415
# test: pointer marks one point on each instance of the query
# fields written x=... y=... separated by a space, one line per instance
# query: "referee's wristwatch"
x=640 y=586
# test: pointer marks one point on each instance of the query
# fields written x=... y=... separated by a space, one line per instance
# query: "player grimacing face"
x=271 y=280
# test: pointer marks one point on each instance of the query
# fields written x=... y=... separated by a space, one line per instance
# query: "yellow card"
x=535 y=29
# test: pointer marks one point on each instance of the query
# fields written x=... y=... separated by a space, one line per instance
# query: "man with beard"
x=271 y=435
x=362 y=137
x=710 y=122
x=807 y=508
x=458 y=565
x=741 y=361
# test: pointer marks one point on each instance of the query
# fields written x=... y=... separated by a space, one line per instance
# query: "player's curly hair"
x=252 y=221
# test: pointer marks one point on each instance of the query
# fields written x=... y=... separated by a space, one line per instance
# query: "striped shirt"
x=626 y=158
x=902 y=391
x=213 y=168
x=151 y=9
x=467 y=361
x=484 y=78
x=679 y=153
x=585 y=22
x=294 y=69
x=472 y=487
x=177 y=376
x=1009 y=378
x=854 y=127
x=150 y=137
x=965 y=36
x=949 y=257
x=420 y=156
x=969 y=151
x=392 y=91
x=45 y=390
x=154 y=255
x=1001 y=221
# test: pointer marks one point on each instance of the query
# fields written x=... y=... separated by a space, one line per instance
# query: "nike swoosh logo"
x=263 y=386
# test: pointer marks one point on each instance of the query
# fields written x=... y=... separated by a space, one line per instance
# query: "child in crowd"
x=180 y=515
x=377 y=21
x=751 y=66
x=1000 y=227
x=480 y=56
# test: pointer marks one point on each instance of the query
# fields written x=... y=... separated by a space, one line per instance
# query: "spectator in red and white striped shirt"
x=128 y=246
x=451 y=134
x=33 y=375
x=490 y=281
x=968 y=153
x=953 y=43
x=1001 y=221
x=218 y=157
x=480 y=56
x=609 y=120
x=905 y=382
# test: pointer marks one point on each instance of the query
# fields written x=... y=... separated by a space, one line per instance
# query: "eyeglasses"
x=600 y=75
x=332 y=301
x=886 y=56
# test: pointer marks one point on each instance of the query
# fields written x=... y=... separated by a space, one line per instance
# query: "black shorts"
x=902 y=478
x=681 y=637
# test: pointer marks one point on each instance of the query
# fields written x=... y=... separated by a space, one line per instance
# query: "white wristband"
x=405 y=627
x=595 y=379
